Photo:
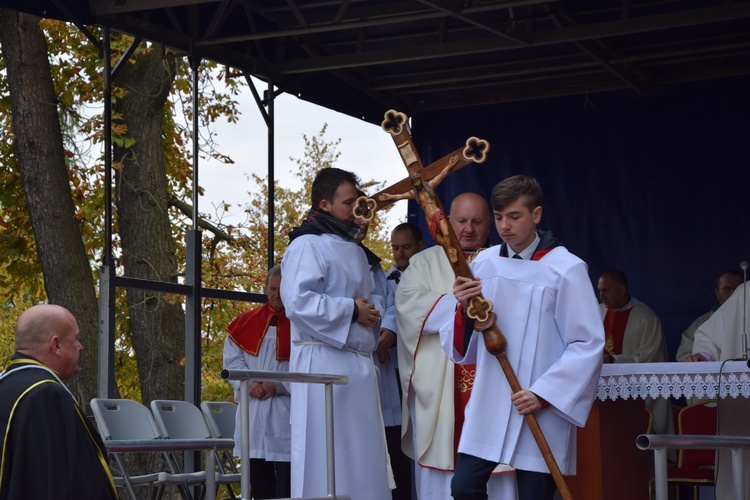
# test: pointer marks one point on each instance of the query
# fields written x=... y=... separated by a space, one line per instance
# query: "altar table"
x=610 y=466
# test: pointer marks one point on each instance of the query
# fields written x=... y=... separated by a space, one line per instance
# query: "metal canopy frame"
x=360 y=57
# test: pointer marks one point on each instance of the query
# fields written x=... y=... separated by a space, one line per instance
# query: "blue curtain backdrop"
x=655 y=184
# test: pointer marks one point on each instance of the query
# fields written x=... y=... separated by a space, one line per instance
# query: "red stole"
x=249 y=329
x=614 y=330
x=463 y=380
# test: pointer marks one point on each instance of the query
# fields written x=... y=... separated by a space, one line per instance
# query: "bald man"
x=50 y=451
x=435 y=391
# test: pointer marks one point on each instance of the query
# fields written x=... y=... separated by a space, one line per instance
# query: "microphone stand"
x=743 y=265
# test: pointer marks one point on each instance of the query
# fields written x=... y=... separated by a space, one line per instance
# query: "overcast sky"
x=365 y=150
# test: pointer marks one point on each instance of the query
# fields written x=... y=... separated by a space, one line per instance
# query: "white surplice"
x=721 y=338
x=427 y=381
x=322 y=275
x=548 y=313
x=270 y=431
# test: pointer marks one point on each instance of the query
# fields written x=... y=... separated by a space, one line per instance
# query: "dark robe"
x=50 y=450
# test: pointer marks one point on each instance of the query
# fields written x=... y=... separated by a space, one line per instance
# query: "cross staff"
x=395 y=123
x=480 y=309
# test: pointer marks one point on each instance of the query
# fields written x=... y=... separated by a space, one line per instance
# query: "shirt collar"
x=528 y=252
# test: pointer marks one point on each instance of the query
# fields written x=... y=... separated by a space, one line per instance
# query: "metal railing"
x=245 y=377
x=660 y=443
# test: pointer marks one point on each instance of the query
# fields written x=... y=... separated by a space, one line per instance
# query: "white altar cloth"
x=703 y=380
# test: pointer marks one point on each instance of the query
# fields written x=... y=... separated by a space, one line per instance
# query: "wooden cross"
x=396 y=123
x=420 y=185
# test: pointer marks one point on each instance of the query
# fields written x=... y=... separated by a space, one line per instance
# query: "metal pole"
x=245 y=492
x=106 y=337
x=107 y=74
x=738 y=469
x=195 y=64
x=210 y=475
x=271 y=177
x=193 y=270
x=660 y=473
x=193 y=279
x=330 y=449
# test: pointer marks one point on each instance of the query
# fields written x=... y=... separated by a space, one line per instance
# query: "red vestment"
x=249 y=329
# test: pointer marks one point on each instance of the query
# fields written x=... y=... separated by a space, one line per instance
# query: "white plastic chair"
x=183 y=420
x=220 y=418
x=128 y=420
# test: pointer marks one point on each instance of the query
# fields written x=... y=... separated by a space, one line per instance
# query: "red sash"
x=249 y=329
x=614 y=330
x=463 y=380
x=463 y=377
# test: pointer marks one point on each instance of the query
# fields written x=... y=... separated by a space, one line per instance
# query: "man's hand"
x=386 y=341
x=696 y=357
x=269 y=390
x=525 y=402
x=368 y=315
x=465 y=289
x=256 y=390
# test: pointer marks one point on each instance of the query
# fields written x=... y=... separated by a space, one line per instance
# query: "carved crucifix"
x=420 y=185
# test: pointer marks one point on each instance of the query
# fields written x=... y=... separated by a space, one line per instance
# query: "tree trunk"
x=157 y=321
x=67 y=273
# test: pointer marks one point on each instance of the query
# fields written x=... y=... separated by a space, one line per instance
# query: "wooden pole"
x=495 y=342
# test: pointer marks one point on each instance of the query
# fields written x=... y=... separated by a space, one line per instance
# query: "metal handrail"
x=245 y=377
x=660 y=443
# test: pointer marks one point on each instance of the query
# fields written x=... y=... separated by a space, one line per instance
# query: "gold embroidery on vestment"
x=609 y=346
x=465 y=378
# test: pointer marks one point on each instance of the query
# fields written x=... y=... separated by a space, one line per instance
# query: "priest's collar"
x=628 y=305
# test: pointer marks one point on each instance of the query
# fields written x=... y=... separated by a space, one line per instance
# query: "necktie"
x=516 y=256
